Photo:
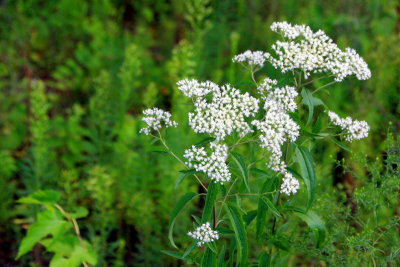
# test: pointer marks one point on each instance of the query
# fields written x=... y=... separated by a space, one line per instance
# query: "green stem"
x=316 y=90
x=178 y=159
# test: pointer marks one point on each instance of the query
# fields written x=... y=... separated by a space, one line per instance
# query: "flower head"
x=219 y=110
x=353 y=129
x=252 y=58
x=315 y=52
x=214 y=165
x=289 y=185
x=204 y=234
x=155 y=119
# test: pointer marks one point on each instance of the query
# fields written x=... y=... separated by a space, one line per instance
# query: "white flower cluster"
x=193 y=87
x=155 y=119
x=224 y=113
x=289 y=185
x=214 y=165
x=253 y=58
x=204 y=234
x=314 y=52
x=266 y=86
x=353 y=129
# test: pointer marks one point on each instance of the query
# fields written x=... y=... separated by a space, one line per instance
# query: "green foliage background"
x=75 y=75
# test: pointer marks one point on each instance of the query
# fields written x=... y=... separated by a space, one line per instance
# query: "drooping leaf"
x=250 y=216
x=240 y=234
x=316 y=224
x=243 y=168
x=185 y=199
x=306 y=162
x=221 y=257
x=48 y=222
x=210 y=201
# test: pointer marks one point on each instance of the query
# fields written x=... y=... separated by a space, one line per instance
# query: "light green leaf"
x=240 y=234
x=205 y=141
x=243 y=168
x=306 y=162
x=340 y=144
x=316 y=224
x=189 y=249
x=310 y=101
x=268 y=186
x=175 y=212
x=210 y=200
x=78 y=212
x=41 y=197
x=48 y=222
x=271 y=206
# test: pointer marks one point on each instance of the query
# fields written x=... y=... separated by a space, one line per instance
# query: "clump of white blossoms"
x=252 y=58
x=314 y=52
x=155 y=119
x=204 y=234
x=289 y=185
x=277 y=126
x=353 y=129
x=224 y=113
x=214 y=165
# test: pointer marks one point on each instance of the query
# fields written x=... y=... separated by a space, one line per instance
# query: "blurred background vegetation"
x=75 y=76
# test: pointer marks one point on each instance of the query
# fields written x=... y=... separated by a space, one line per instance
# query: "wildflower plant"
x=256 y=152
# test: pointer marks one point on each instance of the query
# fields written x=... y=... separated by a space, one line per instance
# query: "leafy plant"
x=58 y=231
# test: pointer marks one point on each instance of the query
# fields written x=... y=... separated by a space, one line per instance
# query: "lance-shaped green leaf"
x=182 y=175
x=310 y=101
x=175 y=212
x=263 y=259
x=268 y=186
x=306 y=162
x=209 y=259
x=271 y=206
x=340 y=144
x=210 y=201
x=240 y=234
x=316 y=224
x=243 y=168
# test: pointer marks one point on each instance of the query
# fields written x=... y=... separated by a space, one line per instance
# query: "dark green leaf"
x=205 y=141
x=250 y=216
x=182 y=175
x=240 y=234
x=177 y=209
x=189 y=249
x=221 y=257
x=173 y=254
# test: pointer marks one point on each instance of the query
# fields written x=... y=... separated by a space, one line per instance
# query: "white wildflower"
x=315 y=52
x=252 y=58
x=193 y=87
x=266 y=86
x=353 y=129
x=155 y=119
x=214 y=165
x=204 y=234
x=223 y=112
x=289 y=185
x=277 y=126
